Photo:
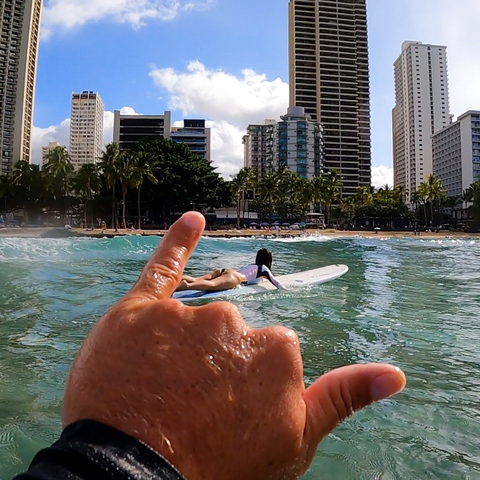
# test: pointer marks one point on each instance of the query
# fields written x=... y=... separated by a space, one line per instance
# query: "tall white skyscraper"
x=421 y=109
x=86 y=128
x=19 y=23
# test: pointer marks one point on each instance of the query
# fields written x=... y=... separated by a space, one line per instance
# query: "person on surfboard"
x=228 y=278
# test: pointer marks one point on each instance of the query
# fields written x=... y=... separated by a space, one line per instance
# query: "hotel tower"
x=20 y=23
x=329 y=77
x=421 y=109
x=86 y=128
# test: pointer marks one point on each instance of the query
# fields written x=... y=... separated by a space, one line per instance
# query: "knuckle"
x=283 y=336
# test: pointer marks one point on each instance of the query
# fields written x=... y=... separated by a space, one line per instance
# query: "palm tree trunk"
x=238 y=211
x=425 y=211
x=431 y=211
x=138 y=205
x=124 y=209
x=113 y=207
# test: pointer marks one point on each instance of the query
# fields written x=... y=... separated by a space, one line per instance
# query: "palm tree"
x=347 y=207
x=58 y=172
x=384 y=193
x=436 y=192
x=26 y=181
x=87 y=183
x=400 y=193
x=108 y=166
x=316 y=192
x=422 y=195
x=243 y=181
x=125 y=167
x=364 y=195
x=5 y=189
x=268 y=191
x=143 y=168
x=331 y=190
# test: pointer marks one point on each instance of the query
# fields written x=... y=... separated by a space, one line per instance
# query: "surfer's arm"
x=266 y=272
x=88 y=450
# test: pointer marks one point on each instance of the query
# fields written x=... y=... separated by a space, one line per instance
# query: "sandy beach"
x=52 y=232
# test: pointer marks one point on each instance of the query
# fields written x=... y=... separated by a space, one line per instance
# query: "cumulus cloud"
x=229 y=104
x=68 y=14
x=249 y=98
x=382 y=176
x=41 y=137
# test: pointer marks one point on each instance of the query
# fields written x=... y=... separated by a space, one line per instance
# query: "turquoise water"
x=413 y=302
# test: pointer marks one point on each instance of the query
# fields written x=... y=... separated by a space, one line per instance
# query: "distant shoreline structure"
x=52 y=232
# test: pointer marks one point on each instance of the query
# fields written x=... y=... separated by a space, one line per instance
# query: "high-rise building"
x=129 y=130
x=86 y=128
x=421 y=109
x=329 y=77
x=295 y=142
x=260 y=146
x=20 y=23
x=456 y=154
x=195 y=136
x=300 y=143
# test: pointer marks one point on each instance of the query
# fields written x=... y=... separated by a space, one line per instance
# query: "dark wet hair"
x=264 y=257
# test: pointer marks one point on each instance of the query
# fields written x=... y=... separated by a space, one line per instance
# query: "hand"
x=219 y=400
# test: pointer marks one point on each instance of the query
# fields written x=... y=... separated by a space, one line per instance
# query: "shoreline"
x=53 y=232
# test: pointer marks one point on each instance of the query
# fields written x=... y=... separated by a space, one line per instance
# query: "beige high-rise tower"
x=86 y=128
x=421 y=109
x=20 y=23
x=329 y=77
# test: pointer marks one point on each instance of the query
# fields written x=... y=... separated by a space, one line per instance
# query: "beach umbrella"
x=285 y=224
x=265 y=224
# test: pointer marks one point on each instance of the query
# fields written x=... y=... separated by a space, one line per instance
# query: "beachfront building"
x=300 y=143
x=47 y=149
x=86 y=128
x=20 y=23
x=456 y=153
x=421 y=109
x=195 y=136
x=129 y=130
x=329 y=77
x=260 y=147
x=295 y=142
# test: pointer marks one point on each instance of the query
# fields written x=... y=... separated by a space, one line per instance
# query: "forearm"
x=90 y=450
x=267 y=272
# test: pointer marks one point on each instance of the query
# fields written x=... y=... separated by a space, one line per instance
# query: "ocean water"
x=413 y=302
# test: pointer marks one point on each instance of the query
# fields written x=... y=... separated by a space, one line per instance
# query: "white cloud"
x=229 y=103
x=454 y=24
x=68 y=14
x=219 y=95
x=382 y=176
x=43 y=136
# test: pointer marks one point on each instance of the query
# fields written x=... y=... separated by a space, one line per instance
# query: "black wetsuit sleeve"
x=89 y=450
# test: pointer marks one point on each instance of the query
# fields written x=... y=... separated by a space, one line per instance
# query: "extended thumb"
x=336 y=395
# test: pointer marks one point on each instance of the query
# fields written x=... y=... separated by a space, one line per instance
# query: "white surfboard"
x=291 y=281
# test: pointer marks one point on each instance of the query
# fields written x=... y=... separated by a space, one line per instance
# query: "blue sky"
x=226 y=61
